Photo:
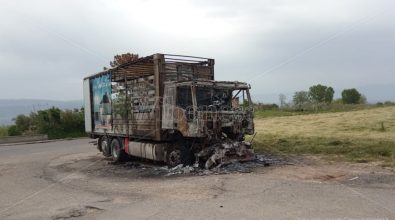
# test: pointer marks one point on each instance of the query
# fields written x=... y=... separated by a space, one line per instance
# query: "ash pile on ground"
x=233 y=166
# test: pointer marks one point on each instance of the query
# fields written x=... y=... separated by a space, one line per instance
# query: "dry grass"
x=363 y=135
x=355 y=124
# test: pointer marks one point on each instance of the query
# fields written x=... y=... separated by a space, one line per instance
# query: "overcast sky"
x=278 y=46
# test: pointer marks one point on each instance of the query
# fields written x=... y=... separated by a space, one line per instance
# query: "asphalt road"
x=70 y=179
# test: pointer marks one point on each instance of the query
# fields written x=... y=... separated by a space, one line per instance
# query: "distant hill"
x=10 y=108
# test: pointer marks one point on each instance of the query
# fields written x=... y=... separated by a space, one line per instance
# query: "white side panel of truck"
x=87 y=106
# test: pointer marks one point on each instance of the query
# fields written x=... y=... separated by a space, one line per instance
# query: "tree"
x=22 y=122
x=123 y=58
x=363 y=99
x=54 y=116
x=283 y=100
x=301 y=99
x=41 y=121
x=14 y=131
x=351 y=96
x=329 y=95
x=321 y=94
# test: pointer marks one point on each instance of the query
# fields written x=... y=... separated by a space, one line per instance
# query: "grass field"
x=359 y=135
x=323 y=109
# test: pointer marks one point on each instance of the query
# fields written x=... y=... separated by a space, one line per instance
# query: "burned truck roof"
x=170 y=64
x=214 y=84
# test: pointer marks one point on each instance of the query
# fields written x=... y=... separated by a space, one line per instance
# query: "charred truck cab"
x=169 y=108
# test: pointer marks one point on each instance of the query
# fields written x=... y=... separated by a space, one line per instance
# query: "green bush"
x=54 y=122
x=3 y=131
x=14 y=131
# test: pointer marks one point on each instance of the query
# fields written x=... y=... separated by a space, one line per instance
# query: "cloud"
x=47 y=47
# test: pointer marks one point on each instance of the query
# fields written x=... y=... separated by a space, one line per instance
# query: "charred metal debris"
x=226 y=167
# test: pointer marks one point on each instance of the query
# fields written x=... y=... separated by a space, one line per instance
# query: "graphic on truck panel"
x=101 y=91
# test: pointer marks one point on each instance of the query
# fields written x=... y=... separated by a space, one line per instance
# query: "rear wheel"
x=105 y=146
x=117 y=152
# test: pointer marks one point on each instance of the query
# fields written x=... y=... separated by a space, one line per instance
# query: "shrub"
x=14 y=131
x=54 y=122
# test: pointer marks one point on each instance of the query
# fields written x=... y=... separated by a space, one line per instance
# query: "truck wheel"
x=186 y=152
x=105 y=146
x=173 y=158
x=99 y=148
x=181 y=154
x=118 y=154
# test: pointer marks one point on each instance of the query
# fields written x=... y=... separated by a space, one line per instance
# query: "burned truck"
x=168 y=108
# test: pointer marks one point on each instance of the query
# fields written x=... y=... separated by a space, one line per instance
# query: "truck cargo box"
x=126 y=100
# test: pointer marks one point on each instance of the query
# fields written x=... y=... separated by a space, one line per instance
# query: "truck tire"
x=117 y=152
x=181 y=154
x=99 y=148
x=105 y=146
x=186 y=151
